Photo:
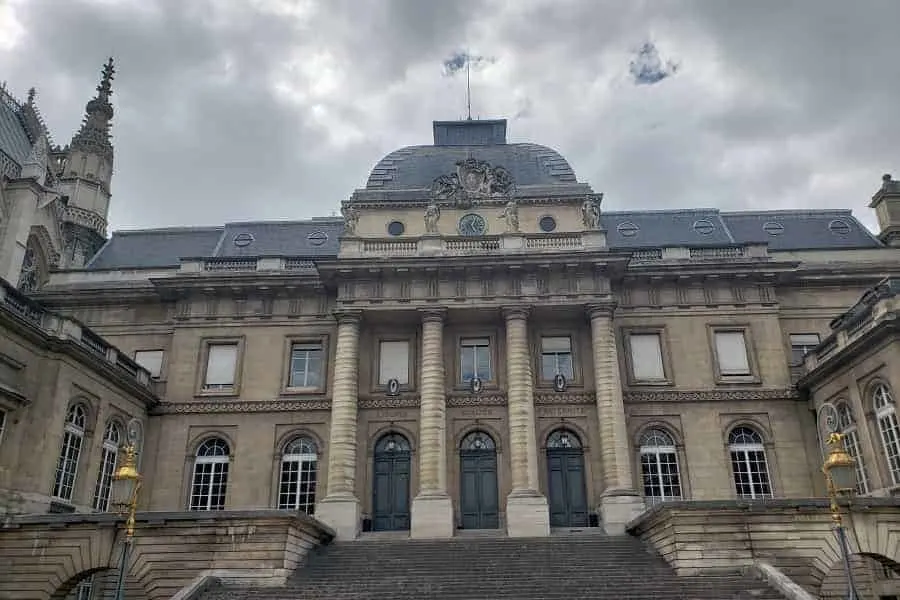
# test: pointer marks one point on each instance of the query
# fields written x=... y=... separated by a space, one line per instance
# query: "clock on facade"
x=472 y=224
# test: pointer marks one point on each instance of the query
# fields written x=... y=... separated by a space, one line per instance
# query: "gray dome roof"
x=416 y=167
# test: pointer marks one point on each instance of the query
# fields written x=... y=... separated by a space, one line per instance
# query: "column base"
x=618 y=508
x=527 y=514
x=341 y=513
x=432 y=516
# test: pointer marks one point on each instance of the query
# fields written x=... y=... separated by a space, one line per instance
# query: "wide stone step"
x=562 y=567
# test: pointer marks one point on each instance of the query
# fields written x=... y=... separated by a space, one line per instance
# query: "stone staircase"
x=564 y=567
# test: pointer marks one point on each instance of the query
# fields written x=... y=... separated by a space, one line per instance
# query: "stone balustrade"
x=31 y=314
x=878 y=305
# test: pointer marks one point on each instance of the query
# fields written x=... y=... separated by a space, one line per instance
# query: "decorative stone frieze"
x=239 y=406
x=487 y=399
x=641 y=396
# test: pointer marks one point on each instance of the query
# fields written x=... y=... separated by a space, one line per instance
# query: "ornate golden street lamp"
x=126 y=484
x=840 y=479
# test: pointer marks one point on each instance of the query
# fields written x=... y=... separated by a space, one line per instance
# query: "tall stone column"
x=527 y=513
x=340 y=507
x=432 y=508
x=619 y=502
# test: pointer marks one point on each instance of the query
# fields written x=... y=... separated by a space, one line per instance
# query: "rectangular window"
x=475 y=359
x=151 y=360
x=306 y=366
x=393 y=362
x=646 y=357
x=731 y=352
x=801 y=343
x=221 y=362
x=556 y=358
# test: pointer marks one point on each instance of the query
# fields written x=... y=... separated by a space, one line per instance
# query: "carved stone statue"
x=590 y=213
x=511 y=215
x=351 y=219
x=473 y=180
x=432 y=216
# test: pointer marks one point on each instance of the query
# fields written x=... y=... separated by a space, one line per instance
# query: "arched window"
x=563 y=438
x=392 y=442
x=477 y=440
x=659 y=467
x=847 y=425
x=84 y=590
x=111 y=439
x=297 y=480
x=886 y=416
x=748 y=463
x=210 y=480
x=69 y=454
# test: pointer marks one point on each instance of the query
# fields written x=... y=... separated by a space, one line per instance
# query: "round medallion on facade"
x=477 y=385
x=472 y=224
x=396 y=228
x=559 y=382
x=547 y=224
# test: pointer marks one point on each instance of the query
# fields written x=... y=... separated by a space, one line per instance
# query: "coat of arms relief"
x=473 y=180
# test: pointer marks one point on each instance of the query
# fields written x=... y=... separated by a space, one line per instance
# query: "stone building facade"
x=474 y=344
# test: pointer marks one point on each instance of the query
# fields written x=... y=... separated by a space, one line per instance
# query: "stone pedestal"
x=341 y=513
x=527 y=515
x=432 y=516
x=618 y=508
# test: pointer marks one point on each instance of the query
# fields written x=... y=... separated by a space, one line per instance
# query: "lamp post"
x=125 y=487
x=839 y=469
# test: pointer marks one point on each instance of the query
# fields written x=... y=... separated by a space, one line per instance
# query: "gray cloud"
x=267 y=109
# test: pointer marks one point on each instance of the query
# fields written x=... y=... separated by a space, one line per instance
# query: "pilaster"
x=527 y=513
x=432 y=508
x=619 y=502
x=340 y=507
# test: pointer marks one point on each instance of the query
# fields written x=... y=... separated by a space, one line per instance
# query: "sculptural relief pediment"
x=473 y=180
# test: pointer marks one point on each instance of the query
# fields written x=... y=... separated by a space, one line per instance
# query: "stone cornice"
x=732 y=395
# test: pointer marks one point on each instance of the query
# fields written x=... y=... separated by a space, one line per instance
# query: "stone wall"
x=795 y=536
x=46 y=556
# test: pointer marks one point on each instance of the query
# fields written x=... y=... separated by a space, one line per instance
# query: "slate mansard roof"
x=318 y=238
x=405 y=173
x=416 y=167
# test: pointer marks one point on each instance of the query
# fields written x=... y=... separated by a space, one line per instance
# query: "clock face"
x=472 y=224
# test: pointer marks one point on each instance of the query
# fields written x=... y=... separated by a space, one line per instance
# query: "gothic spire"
x=94 y=133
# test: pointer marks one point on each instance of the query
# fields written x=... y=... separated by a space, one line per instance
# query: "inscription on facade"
x=391 y=414
x=562 y=411
x=472 y=413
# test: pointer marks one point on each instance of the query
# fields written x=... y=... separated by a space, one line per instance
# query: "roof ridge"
x=175 y=229
x=790 y=211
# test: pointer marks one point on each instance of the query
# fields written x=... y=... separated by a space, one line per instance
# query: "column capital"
x=600 y=309
x=351 y=316
x=515 y=312
x=433 y=314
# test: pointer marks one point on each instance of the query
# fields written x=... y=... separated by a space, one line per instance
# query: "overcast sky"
x=277 y=109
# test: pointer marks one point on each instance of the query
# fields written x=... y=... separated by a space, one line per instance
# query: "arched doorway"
x=479 y=503
x=565 y=480
x=390 y=494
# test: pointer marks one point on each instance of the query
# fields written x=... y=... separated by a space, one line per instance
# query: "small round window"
x=704 y=227
x=627 y=229
x=839 y=227
x=317 y=238
x=396 y=228
x=547 y=224
x=242 y=240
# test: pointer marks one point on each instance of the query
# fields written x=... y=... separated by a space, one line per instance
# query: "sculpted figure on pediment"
x=351 y=219
x=590 y=212
x=510 y=214
x=432 y=216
